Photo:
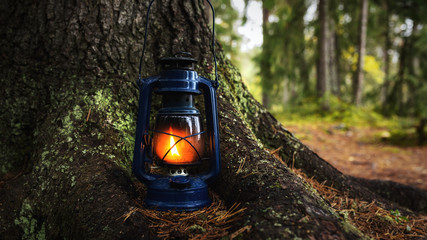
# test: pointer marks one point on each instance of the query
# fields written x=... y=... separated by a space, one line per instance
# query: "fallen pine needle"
x=240 y=231
x=211 y=222
x=88 y=115
x=370 y=218
x=276 y=150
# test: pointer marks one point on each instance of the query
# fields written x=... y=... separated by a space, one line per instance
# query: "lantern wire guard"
x=177 y=83
x=180 y=139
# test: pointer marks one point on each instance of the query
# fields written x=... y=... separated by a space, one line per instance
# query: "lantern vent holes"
x=178 y=172
x=169 y=170
x=178 y=62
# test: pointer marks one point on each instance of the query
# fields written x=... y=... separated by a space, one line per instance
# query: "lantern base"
x=179 y=194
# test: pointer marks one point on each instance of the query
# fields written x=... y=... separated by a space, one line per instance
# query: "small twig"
x=88 y=115
x=293 y=160
x=274 y=129
x=241 y=230
x=276 y=150
x=247 y=175
x=275 y=155
x=420 y=220
x=241 y=165
x=127 y=215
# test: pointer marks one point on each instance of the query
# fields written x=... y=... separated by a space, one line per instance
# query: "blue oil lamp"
x=177 y=145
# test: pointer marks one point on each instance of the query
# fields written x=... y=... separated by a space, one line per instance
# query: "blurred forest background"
x=348 y=60
x=355 y=68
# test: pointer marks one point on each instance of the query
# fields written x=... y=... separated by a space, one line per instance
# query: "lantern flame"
x=171 y=150
x=174 y=150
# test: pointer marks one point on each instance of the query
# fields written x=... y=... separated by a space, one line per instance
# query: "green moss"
x=32 y=229
x=196 y=228
x=73 y=181
x=78 y=113
x=350 y=228
x=121 y=121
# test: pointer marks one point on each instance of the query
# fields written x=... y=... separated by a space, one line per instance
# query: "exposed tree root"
x=370 y=218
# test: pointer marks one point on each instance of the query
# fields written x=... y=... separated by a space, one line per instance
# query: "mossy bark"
x=68 y=105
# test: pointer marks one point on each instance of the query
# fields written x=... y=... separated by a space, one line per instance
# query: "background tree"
x=358 y=82
x=265 y=60
x=284 y=65
x=387 y=45
x=293 y=47
x=334 y=49
x=408 y=30
x=322 y=68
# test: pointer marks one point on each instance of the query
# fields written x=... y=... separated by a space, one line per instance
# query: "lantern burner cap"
x=182 y=60
x=178 y=172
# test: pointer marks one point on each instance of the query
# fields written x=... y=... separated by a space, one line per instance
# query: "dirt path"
x=358 y=153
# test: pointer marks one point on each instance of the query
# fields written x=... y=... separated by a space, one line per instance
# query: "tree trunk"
x=412 y=86
x=304 y=74
x=300 y=51
x=333 y=58
x=358 y=81
x=406 y=68
x=69 y=109
x=386 y=59
x=322 y=68
x=401 y=75
x=265 y=65
x=337 y=63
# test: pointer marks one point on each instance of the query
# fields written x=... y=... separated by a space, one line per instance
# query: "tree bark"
x=70 y=70
x=358 y=81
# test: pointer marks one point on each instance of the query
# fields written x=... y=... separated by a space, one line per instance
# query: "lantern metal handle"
x=213 y=41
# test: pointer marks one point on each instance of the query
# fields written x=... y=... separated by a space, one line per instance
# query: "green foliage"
x=312 y=109
x=396 y=130
x=251 y=69
x=403 y=132
x=226 y=21
x=398 y=218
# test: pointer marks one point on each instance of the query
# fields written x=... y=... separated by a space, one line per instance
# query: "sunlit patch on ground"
x=370 y=218
x=358 y=151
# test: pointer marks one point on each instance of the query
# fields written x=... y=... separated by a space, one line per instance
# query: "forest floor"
x=361 y=152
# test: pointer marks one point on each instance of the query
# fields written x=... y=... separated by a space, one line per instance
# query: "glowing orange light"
x=179 y=151
x=174 y=150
